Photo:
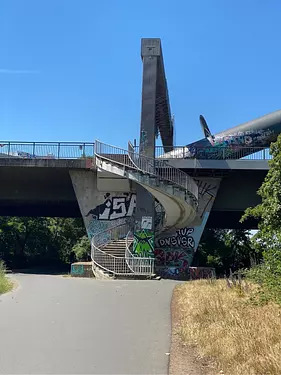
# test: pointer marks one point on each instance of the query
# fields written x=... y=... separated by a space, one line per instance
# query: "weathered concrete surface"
x=47 y=163
x=56 y=325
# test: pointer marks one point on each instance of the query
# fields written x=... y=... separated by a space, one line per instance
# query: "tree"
x=82 y=249
x=28 y=242
x=268 y=239
x=224 y=249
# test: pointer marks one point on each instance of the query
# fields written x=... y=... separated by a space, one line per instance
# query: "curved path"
x=57 y=325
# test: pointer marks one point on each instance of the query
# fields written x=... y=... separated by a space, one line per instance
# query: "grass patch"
x=5 y=284
x=242 y=338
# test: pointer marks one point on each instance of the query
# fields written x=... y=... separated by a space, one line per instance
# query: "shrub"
x=5 y=284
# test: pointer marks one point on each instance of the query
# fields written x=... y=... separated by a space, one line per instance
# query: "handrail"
x=128 y=253
x=46 y=150
x=138 y=265
x=127 y=265
x=156 y=167
x=231 y=152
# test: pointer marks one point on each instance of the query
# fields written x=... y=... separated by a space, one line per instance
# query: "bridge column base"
x=174 y=251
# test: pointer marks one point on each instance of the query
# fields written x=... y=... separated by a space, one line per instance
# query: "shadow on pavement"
x=62 y=270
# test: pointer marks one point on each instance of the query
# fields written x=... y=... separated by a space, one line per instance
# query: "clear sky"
x=70 y=70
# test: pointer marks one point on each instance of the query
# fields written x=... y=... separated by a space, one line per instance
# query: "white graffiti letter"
x=132 y=206
x=105 y=214
x=118 y=207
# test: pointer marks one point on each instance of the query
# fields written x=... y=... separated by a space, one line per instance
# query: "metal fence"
x=76 y=150
x=138 y=265
x=126 y=265
x=46 y=150
x=214 y=153
x=156 y=167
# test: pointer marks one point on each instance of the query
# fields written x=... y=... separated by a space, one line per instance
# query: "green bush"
x=5 y=284
x=82 y=249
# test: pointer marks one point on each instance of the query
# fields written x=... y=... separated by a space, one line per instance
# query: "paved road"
x=56 y=325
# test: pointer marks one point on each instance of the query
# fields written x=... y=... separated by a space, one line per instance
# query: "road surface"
x=59 y=325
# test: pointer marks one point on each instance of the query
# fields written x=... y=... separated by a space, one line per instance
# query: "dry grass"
x=240 y=337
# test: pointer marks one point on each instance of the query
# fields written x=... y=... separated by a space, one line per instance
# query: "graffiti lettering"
x=181 y=239
x=177 y=241
x=114 y=208
x=185 y=231
x=172 y=263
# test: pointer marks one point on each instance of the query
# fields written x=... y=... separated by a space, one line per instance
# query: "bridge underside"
x=49 y=192
x=217 y=219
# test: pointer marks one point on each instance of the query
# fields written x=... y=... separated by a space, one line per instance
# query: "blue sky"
x=70 y=70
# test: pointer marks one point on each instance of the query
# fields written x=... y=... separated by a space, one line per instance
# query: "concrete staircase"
x=115 y=260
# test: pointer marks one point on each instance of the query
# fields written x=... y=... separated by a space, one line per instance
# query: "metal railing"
x=216 y=153
x=127 y=265
x=76 y=150
x=46 y=150
x=158 y=168
x=138 y=265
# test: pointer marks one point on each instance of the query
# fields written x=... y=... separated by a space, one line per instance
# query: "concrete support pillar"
x=174 y=252
x=85 y=188
x=104 y=209
x=145 y=210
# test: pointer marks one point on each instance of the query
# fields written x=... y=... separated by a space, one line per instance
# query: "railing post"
x=58 y=150
x=223 y=153
x=33 y=150
x=9 y=147
x=264 y=154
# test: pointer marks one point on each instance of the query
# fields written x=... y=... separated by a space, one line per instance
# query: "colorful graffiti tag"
x=173 y=263
x=144 y=243
x=196 y=273
x=174 y=253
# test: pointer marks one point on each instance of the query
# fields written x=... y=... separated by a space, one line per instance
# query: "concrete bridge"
x=35 y=185
x=144 y=208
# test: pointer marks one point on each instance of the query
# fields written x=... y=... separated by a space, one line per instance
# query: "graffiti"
x=196 y=273
x=143 y=138
x=206 y=189
x=174 y=254
x=144 y=243
x=172 y=263
x=182 y=238
x=207 y=192
x=114 y=208
x=77 y=269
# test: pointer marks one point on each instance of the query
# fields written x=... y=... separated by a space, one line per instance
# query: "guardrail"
x=46 y=150
x=216 y=153
x=138 y=265
x=127 y=265
x=76 y=150
x=155 y=167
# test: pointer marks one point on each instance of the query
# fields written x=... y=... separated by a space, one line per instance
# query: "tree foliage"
x=268 y=239
x=28 y=242
x=225 y=250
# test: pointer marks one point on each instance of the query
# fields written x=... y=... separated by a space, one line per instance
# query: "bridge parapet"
x=46 y=150
x=213 y=153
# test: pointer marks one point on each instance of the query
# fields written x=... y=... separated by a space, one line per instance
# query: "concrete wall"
x=102 y=210
x=174 y=252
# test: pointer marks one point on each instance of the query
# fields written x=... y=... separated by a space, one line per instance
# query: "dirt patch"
x=184 y=359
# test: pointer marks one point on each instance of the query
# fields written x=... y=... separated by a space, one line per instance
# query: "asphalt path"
x=59 y=325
